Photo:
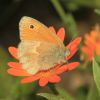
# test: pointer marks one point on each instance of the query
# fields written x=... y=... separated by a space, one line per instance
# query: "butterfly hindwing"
x=36 y=56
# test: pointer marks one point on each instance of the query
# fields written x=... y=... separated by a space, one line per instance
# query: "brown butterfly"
x=39 y=49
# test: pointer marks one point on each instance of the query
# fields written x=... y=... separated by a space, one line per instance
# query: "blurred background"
x=76 y=16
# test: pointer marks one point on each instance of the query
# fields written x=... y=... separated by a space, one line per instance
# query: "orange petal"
x=67 y=67
x=94 y=34
x=15 y=65
x=62 y=69
x=72 y=53
x=43 y=81
x=73 y=65
x=18 y=72
x=61 y=33
x=31 y=78
x=52 y=29
x=13 y=51
x=98 y=49
x=54 y=79
x=88 y=52
x=73 y=47
x=88 y=38
x=74 y=43
x=90 y=44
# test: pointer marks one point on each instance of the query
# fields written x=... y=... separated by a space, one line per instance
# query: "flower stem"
x=88 y=3
x=53 y=88
x=67 y=18
x=36 y=88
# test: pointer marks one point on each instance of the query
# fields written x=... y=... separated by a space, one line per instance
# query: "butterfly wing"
x=31 y=29
x=36 y=56
x=40 y=49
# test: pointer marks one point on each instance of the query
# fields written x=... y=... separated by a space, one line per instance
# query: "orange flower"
x=92 y=43
x=51 y=75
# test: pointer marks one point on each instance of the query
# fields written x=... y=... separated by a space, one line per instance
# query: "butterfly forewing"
x=39 y=32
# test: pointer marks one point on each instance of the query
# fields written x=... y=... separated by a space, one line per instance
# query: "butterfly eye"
x=31 y=26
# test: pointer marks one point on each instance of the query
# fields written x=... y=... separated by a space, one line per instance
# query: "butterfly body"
x=39 y=49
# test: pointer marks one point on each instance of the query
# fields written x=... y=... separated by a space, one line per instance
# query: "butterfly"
x=39 y=48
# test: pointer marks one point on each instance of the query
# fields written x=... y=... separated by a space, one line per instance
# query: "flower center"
x=50 y=72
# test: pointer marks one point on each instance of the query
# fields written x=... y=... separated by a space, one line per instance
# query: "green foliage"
x=97 y=58
x=96 y=74
x=50 y=96
x=82 y=3
x=62 y=95
x=10 y=87
x=97 y=11
x=93 y=93
x=67 y=18
x=81 y=93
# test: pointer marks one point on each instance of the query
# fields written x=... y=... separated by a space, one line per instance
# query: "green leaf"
x=64 y=94
x=97 y=58
x=93 y=93
x=96 y=74
x=50 y=96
